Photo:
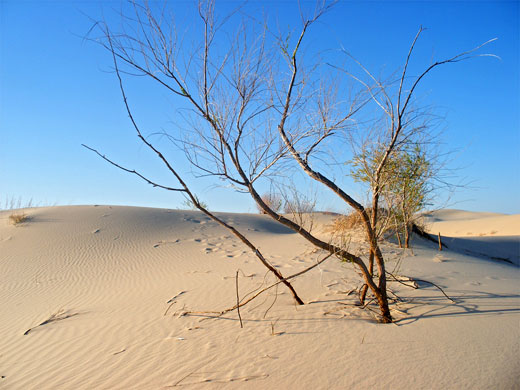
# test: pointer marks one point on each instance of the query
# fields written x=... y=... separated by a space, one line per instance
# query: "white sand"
x=459 y=223
x=113 y=270
x=491 y=235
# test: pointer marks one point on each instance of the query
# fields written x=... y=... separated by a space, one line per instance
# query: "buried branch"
x=57 y=316
x=415 y=286
x=248 y=300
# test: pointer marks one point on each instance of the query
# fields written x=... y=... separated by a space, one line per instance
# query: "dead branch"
x=248 y=300
x=415 y=286
x=58 y=316
x=238 y=302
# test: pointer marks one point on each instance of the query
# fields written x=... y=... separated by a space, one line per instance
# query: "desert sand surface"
x=492 y=235
x=110 y=284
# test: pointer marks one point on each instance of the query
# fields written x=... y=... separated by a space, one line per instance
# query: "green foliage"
x=365 y=164
x=412 y=172
x=403 y=184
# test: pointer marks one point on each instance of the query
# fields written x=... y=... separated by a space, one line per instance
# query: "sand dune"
x=495 y=236
x=111 y=283
x=459 y=223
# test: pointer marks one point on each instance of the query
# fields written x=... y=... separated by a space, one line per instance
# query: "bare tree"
x=252 y=109
x=403 y=125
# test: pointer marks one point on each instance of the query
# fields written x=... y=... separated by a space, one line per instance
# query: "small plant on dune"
x=58 y=315
x=345 y=223
x=274 y=201
x=189 y=204
x=18 y=218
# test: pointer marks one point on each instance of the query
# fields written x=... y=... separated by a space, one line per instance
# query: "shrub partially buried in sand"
x=18 y=218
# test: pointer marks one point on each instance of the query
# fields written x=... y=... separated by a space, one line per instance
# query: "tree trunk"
x=406 y=236
x=375 y=254
x=399 y=239
x=382 y=300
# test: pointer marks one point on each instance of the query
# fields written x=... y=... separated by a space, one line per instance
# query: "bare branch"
x=133 y=171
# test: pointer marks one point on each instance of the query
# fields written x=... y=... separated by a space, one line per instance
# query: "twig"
x=169 y=306
x=172 y=301
x=59 y=315
x=186 y=376
x=176 y=296
x=238 y=302
x=420 y=280
x=272 y=304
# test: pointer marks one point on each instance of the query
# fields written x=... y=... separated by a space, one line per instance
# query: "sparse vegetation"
x=17 y=207
x=404 y=186
x=18 y=218
x=12 y=203
x=188 y=203
x=59 y=315
x=344 y=223
x=273 y=201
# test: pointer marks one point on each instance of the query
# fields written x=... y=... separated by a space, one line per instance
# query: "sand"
x=490 y=235
x=112 y=283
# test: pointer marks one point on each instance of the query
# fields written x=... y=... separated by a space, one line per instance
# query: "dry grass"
x=59 y=315
x=18 y=218
x=346 y=222
x=273 y=201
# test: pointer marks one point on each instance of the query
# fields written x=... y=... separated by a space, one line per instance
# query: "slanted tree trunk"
x=406 y=236
x=399 y=239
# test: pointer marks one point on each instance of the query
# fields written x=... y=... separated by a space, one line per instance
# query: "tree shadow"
x=474 y=304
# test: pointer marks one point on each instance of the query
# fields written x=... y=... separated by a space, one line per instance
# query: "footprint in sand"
x=208 y=250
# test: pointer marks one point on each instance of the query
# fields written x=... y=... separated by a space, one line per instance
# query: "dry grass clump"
x=18 y=218
x=274 y=201
x=354 y=220
x=346 y=222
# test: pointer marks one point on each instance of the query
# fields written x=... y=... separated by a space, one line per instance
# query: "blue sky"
x=57 y=91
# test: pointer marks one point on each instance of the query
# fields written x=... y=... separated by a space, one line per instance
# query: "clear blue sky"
x=57 y=92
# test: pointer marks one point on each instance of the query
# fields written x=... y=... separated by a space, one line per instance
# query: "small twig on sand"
x=238 y=302
x=272 y=304
x=177 y=296
x=172 y=301
x=59 y=315
x=273 y=324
